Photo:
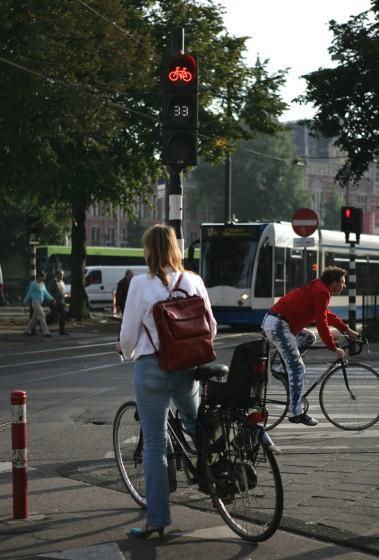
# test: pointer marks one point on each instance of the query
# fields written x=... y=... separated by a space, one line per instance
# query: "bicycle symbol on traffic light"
x=180 y=74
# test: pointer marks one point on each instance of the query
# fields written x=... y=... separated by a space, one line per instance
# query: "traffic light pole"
x=228 y=190
x=175 y=204
x=352 y=285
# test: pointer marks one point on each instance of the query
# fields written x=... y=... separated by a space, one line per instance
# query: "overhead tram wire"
x=277 y=158
x=104 y=97
x=113 y=23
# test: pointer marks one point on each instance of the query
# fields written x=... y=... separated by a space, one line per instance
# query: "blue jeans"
x=290 y=348
x=154 y=388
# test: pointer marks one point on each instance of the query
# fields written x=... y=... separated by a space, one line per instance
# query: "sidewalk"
x=330 y=497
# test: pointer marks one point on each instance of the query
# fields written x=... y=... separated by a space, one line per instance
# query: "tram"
x=246 y=267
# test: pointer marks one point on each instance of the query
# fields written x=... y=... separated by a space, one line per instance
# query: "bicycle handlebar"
x=355 y=346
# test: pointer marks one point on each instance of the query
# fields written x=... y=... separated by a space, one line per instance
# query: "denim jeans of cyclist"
x=154 y=388
x=290 y=348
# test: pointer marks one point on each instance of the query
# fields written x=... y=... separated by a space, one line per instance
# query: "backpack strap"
x=174 y=289
x=150 y=337
x=177 y=282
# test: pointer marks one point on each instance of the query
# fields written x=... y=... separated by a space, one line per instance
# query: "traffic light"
x=180 y=85
x=351 y=221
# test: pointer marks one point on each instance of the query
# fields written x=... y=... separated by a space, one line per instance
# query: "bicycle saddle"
x=207 y=371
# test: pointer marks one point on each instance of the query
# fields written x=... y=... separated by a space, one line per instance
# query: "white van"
x=101 y=282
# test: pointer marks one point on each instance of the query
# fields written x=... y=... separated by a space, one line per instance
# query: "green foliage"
x=64 y=139
x=347 y=97
x=14 y=240
x=332 y=211
x=85 y=125
x=266 y=185
x=80 y=102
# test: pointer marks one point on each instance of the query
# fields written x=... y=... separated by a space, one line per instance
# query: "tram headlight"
x=243 y=299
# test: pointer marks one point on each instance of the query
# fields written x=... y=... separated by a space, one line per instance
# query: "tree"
x=266 y=185
x=80 y=101
x=236 y=100
x=14 y=240
x=332 y=210
x=346 y=98
x=68 y=136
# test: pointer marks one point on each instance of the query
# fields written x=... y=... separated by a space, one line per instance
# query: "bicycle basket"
x=246 y=379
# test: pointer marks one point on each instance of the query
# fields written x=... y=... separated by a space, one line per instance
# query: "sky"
x=291 y=34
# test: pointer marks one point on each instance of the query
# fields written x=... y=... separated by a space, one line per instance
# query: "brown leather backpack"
x=184 y=331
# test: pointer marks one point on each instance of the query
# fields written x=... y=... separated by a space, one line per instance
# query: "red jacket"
x=309 y=304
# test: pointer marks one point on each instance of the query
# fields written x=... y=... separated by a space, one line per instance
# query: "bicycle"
x=348 y=397
x=232 y=462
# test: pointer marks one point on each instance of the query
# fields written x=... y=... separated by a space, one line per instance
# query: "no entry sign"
x=304 y=222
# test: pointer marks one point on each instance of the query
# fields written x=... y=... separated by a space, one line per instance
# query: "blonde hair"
x=162 y=251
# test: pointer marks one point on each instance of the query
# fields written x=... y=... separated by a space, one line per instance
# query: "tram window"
x=228 y=262
x=279 y=272
x=337 y=259
x=294 y=269
x=311 y=268
x=367 y=276
x=263 y=281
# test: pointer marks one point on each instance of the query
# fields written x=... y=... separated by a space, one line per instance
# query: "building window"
x=124 y=237
x=111 y=237
x=95 y=236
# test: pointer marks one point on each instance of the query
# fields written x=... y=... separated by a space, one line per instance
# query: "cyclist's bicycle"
x=232 y=462
x=349 y=391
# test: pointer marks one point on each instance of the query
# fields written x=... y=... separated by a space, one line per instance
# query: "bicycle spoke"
x=244 y=481
x=352 y=406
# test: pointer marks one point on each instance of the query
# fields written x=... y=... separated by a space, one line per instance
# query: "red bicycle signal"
x=180 y=74
x=181 y=70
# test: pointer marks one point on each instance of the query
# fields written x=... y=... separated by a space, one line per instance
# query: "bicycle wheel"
x=276 y=393
x=353 y=405
x=243 y=478
x=127 y=445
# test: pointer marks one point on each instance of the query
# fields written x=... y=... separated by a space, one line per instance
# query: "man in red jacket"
x=284 y=327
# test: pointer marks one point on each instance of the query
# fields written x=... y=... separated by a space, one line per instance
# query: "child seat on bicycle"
x=246 y=378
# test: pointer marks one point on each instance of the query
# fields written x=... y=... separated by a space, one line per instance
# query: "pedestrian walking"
x=284 y=325
x=37 y=294
x=57 y=290
x=122 y=291
x=154 y=387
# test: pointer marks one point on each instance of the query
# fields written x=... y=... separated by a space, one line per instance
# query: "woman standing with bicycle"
x=154 y=387
x=284 y=327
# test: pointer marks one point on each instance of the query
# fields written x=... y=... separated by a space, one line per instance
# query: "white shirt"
x=144 y=291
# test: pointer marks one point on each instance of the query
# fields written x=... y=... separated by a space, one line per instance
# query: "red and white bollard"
x=19 y=455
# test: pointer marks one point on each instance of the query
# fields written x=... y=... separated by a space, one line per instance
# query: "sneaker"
x=303 y=419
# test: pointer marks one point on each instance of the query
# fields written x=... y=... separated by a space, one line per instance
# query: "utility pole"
x=228 y=177
x=228 y=190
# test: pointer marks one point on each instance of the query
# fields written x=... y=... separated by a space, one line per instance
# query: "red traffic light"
x=180 y=71
x=347 y=213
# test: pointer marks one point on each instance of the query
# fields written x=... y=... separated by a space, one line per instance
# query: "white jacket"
x=144 y=291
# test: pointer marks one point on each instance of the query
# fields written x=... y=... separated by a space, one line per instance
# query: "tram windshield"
x=227 y=260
